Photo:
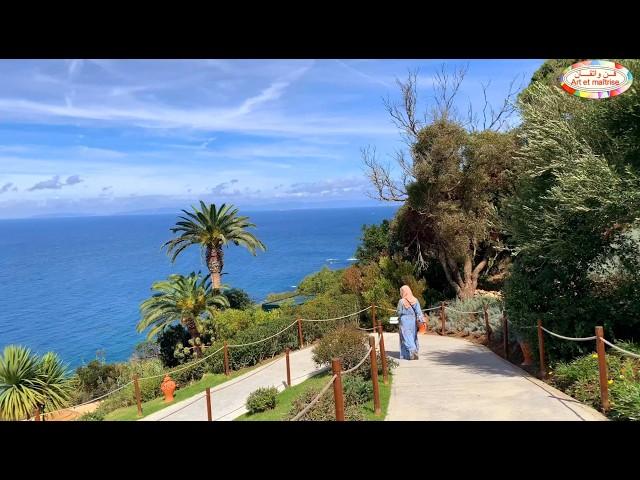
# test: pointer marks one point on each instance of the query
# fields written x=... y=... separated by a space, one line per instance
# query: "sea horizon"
x=73 y=285
x=178 y=211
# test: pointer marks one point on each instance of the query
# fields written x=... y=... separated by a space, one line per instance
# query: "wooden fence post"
x=602 y=366
x=442 y=316
x=543 y=368
x=136 y=386
x=505 y=334
x=487 y=328
x=373 y=317
x=300 y=337
x=209 y=418
x=374 y=376
x=338 y=395
x=383 y=356
x=286 y=353
x=226 y=359
x=37 y=415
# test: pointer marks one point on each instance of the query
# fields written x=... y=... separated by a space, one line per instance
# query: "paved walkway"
x=228 y=399
x=453 y=380
x=457 y=380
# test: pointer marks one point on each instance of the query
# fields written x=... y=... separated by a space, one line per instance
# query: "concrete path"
x=458 y=380
x=228 y=399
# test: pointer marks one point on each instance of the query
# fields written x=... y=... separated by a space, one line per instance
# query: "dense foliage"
x=346 y=343
x=188 y=300
x=324 y=410
x=374 y=242
x=29 y=381
x=574 y=218
x=262 y=399
x=238 y=298
x=580 y=379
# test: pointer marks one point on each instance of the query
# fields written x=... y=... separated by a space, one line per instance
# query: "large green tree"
x=374 y=243
x=212 y=228
x=451 y=186
x=574 y=217
x=180 y=299
x=28 y=381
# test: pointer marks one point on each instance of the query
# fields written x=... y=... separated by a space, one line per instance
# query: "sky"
x=103 y=137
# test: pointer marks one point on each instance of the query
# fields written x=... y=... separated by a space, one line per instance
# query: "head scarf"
x=407 y=297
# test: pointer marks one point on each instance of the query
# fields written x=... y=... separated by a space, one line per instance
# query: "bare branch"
x=387 y=189
x=507 y=109
x=445 y=90
x=403 y=114
x=486 y=104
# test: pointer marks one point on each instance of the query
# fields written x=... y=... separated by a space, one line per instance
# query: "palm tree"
x=28 y=382
x=212 y=229
x=180 y=299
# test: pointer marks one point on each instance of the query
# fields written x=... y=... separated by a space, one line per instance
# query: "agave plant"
x=180 y=299
x=28 y=382
x=212 y=229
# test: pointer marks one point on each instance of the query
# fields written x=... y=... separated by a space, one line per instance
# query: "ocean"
x=74 y=285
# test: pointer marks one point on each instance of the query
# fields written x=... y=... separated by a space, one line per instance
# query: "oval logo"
x=596 y=79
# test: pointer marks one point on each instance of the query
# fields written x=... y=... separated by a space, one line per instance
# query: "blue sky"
x=117 y=136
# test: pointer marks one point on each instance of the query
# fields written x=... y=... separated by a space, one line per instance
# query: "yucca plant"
x=180 y=299
x=212 y=229
x=28 y=382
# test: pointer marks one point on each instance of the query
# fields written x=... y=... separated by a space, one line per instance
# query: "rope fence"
x=600 y=353
x=264 y=339
x=353 y=369
x=460 y=311
x=336 y=381
x=626 y=352
x=336 y=318
x=136 y=380
x=315 y=400
x=571 y=339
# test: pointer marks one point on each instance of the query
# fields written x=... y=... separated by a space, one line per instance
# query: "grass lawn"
x=208 y=380
x=286 y=397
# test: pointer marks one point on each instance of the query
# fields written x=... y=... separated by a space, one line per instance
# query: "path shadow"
x=476 y=362
x=565 y=402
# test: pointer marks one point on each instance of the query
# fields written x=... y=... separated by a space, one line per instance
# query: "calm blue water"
x=73 y=285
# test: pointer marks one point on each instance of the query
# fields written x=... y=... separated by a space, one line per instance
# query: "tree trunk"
x=466 y=291
x=464 y=284
x=215 y=262
x=193 y=331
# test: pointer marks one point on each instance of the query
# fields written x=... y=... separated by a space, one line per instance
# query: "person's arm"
x=398 y=308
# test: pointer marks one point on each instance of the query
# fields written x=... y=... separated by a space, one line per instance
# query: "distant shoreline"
x=177 y=212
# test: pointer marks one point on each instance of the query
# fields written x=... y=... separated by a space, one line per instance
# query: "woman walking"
x=409 y=315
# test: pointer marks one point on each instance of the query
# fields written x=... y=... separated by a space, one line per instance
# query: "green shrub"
x=580 y=379
x=167 y=340
x=95 y=416
x=97 y=378
x=469 y=323
x=357 y=389
x=262 y=399
x=240 y=357
x=149 y=389
x=365 y=371
x=324 y=409
x=146 y=350
x=227 y=323
x=238 y=298
x=320 y=282
x=625 y=403
x=322 y=307
x=345 y=343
